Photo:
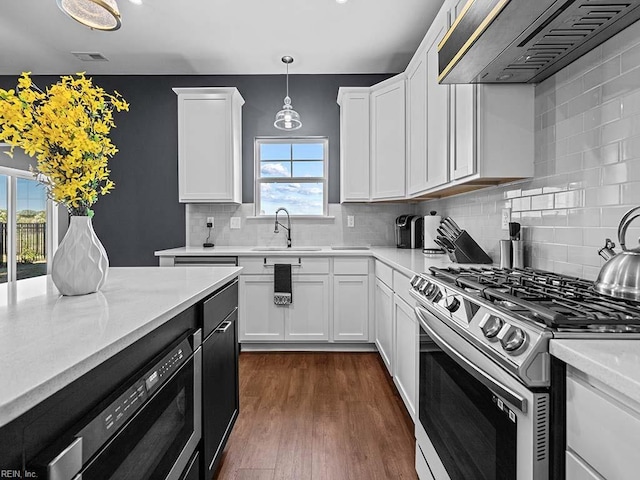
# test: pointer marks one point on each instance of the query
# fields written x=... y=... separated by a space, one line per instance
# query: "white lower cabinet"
x=384 y=323
x=406 y=350
x=597 y=416
x=351 y=308
x=259 y=319
x=307 y=318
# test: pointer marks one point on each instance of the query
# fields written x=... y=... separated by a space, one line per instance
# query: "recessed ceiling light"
x=341 y=1
x=136 y=2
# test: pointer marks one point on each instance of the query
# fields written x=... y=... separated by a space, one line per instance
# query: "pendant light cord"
x=287 y=79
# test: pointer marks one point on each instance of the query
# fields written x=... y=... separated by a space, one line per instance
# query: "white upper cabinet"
x=354 y=144
x=427 y=115
x=434 y=140
x=209 y=145
x=463 y=119
x=417 y=125
x=388 y=139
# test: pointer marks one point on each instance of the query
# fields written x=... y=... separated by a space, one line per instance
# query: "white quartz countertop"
x=407 y=261
x=47 y=340
x=616 y=363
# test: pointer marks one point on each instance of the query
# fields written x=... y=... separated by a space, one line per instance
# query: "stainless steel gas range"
x=491 y=398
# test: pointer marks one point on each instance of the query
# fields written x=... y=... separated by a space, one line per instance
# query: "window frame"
x=258 y=180
x=51 y=210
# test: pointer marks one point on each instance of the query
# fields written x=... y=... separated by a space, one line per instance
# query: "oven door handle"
x=491 y=383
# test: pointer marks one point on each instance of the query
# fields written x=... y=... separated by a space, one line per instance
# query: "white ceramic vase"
x=80 y=265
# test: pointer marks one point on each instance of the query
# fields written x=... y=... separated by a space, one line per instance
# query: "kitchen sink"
x=285 y=249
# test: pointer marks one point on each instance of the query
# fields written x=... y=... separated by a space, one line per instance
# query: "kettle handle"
x=625 y=221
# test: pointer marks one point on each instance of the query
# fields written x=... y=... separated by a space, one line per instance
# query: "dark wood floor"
x=320 y=416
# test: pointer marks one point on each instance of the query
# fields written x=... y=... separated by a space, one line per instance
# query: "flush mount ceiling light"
x=287 y=118
x=97 y=14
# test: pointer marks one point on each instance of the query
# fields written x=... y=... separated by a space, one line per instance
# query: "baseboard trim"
x=308 y=347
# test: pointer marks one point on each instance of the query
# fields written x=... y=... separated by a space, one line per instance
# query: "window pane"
x=31 y=219
x=275 y=151
x=307 y=169
x=3 y=228
x=308 y=151
x=275 y=169
x=298 y=198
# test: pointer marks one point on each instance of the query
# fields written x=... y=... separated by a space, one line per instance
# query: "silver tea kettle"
x=620 y=276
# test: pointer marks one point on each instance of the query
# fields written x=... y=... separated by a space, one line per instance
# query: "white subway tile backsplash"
x=568 y=236
x=605 y=195
x=520 y=204
x=542 y=202
x=532 y=191
x=620 y=86
x=583 y=217
x=584 y=102
x=616 y=173
x=602 y=73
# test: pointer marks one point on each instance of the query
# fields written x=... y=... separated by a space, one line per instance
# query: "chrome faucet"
x=288 y=227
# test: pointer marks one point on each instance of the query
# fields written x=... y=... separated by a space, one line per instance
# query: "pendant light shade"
x=98 y=14
x=287 y=118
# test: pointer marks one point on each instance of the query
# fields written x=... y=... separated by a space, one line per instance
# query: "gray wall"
x=142 y=213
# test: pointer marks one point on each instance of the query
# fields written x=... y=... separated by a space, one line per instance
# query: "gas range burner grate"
x=558 y=301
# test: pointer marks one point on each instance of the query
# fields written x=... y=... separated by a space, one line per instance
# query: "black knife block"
x=468 y=251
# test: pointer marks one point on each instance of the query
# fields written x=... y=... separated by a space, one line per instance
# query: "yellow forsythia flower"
x=67 y=129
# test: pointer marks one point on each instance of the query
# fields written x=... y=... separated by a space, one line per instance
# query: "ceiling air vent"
x=90 y=56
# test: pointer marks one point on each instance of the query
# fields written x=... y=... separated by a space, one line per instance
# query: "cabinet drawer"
x=594 y=419
x=350 y=266
x=384 y=273
x=578 y=470
x=401 y=286
x=299 y=265
x=218 y=307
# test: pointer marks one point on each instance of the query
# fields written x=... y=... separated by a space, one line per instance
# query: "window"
x=27 y=222
x=291 y=173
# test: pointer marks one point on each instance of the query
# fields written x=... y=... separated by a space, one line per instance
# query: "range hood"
x=526 y=41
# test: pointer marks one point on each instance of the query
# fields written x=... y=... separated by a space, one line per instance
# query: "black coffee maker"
x=409 y=231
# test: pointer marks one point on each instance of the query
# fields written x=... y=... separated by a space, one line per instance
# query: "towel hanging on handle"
x=282 y=294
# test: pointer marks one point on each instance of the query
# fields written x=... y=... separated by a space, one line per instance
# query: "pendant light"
x=97 y=14
x=287 y=118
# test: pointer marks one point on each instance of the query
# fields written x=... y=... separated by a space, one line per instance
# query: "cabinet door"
x=354 y=147
x=205 y=160
x=351 y=307
x=406 y=353
x=417 y=126
x=220 y=398
x=384 y=323
x=260 y=319
x=388 y=138
x=307 y=318
x=437 y=110
x=463 y=121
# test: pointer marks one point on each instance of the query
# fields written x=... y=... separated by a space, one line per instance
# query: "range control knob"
x=416 y=280
x=491 y=326
x=512 y=338
x=453 y=305
x=425 y=287
x=436 y=295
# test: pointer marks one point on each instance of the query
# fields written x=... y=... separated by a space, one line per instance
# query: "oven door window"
x=150 y=444
x=473 y=437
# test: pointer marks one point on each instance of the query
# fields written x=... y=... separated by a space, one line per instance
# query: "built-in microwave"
x=149 y=429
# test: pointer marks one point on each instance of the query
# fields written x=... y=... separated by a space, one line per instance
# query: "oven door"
x=475 y=421
x=159 y=440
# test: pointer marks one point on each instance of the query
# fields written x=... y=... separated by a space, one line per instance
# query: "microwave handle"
x=491 y=383
x=67 y=464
